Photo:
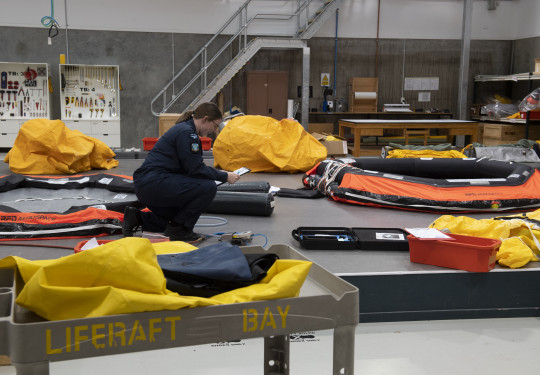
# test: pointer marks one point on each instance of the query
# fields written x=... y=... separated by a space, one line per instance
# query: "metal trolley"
x=325 y=302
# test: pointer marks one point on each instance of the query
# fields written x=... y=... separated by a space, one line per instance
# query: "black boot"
x=177 y=232
x=132 y=221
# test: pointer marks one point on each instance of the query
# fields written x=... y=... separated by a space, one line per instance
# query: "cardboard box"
x=478 y=110
x=334 y=148
x=321 y=127
x=166 y=121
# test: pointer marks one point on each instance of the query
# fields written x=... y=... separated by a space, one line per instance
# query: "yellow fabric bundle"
x=519 y=237
x=264 y=144
x=398 y=153
x=48 y=147
x=124 y=276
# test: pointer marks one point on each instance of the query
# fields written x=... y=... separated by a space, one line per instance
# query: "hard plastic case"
x=325 y=238
x=342 y=238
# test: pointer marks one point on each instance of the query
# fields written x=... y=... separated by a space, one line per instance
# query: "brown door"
x=257 y=93
x=277 y=94
x=267 y=93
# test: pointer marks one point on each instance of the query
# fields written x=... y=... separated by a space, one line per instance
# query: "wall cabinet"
x=267 y=93
x=24 y=95
x=90 y=101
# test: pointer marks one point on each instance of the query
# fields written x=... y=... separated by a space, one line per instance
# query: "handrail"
x=241 y=33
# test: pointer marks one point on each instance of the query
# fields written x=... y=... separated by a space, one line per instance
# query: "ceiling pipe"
x=377 y=40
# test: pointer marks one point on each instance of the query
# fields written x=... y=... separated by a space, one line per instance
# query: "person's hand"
x=232 y=177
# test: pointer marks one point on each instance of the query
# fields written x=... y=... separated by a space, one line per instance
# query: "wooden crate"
x=505 y=132
x=498 y=142
x=166 y=121
x=363 y=85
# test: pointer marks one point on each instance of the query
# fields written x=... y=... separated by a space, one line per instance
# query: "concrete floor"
x=481 y=346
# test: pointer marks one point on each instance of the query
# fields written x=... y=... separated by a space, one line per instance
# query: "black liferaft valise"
x=342 y=238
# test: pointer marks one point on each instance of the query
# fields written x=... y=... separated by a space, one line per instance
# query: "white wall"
x=410 y=19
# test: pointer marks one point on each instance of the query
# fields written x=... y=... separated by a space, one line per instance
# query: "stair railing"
x=240 y=16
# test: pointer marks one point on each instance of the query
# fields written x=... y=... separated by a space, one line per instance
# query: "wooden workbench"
x=362 y=128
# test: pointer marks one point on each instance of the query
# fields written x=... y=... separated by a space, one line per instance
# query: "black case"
x=381 y=239
x=325 y=238
x=342 y=238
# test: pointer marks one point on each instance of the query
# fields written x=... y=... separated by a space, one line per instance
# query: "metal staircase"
x=231 y=48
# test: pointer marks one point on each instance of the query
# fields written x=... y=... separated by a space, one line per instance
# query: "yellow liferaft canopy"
x=48 y=147
x=124 y=276
x=264 y=144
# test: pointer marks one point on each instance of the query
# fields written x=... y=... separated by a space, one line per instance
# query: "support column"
x=305 y=87
x=464 y=61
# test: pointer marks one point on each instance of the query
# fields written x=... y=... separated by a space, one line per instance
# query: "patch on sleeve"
x=195 y=147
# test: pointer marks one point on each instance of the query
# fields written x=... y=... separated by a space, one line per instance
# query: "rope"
x=329 y=176
x=49 y=21
x=220 y=221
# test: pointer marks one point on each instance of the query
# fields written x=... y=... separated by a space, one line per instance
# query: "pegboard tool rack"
x=90 y=100
x=24 y=95
x=324 y=302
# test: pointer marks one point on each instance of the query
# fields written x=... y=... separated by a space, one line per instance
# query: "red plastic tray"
x=148 y=143
x=206 y=143
x=475 y=254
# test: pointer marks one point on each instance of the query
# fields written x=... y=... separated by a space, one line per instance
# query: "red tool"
x=30 y=74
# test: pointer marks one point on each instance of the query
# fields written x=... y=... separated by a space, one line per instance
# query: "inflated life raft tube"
x=243 y=198
x=246 y=187
x=67 y=207
x=242 y=203
x=437 y=185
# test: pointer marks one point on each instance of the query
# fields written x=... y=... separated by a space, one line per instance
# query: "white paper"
x=390 y=236
x=409 y=84
x=427 y=233
x=434 y=84
x=424 y=96
x=90 y=244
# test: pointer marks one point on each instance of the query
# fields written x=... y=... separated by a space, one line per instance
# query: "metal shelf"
x=505 y=120
x=510 y=77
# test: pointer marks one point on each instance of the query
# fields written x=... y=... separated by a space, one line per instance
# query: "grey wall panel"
x=146 y=65
x=526 y=51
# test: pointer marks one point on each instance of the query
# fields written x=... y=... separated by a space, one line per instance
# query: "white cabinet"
x=90 y=101
x=106 y=131
x=24 y=95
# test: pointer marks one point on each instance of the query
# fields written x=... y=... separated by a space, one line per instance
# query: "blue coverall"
x=173 y=181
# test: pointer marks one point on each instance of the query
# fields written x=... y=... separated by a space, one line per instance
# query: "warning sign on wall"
x=325 y=79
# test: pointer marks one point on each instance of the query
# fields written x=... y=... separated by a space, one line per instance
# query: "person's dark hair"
x=204 y=109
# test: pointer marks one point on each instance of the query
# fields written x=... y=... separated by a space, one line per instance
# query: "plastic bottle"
x=531 y=101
